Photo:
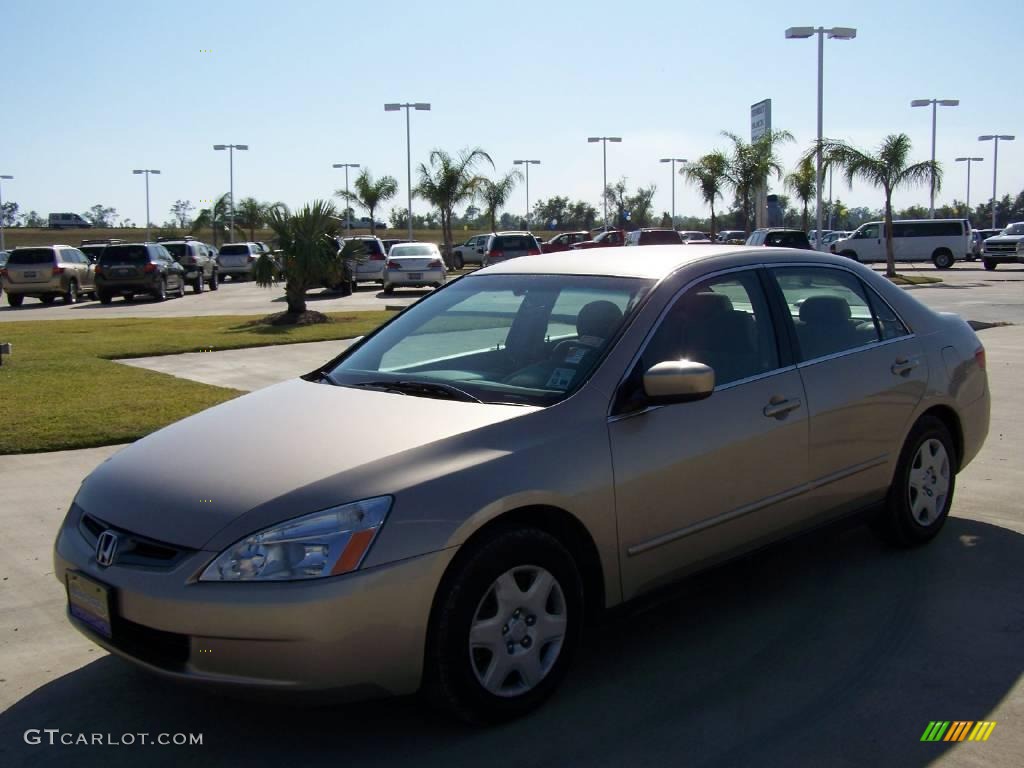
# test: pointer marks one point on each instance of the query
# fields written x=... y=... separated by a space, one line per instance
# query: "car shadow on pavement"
x=831 y=649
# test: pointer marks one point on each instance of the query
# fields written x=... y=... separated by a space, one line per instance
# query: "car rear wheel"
x=388 y=289
x=71 y=295
x=942 y=259
x=160 y=292
x=181 y=288
x=15 y=299
x=457 y=260
x=504 y=627
x=989 y=264
x=129 y=298
x=214 y=281
x=199 y=284
x=105 y=298
x=922 y=488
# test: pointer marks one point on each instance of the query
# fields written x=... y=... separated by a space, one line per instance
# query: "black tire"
x=160 y=292
x=388 y=290
x=72 y=294
x=897 y=523
x=989 y=264
x=214 y=280
x=15 y=299
x=198 y=284
x=129 y=298
x=105 y=298
x=48 y=298
x=942 y=259
x=449 y=677
x=850 y=255
x=181 y=287
x=457 y=261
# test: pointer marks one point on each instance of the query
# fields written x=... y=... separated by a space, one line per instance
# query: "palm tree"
x=449 y=181
x=751 y=165
x=495 y=194
x=251 y=214
x=804 y=181
x=369 y=194
x=309 y=255
x=887 y=169
x=215 y=217
x=710 y=174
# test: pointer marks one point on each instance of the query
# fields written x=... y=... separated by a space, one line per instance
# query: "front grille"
x=132 y=549
x=1000 y=249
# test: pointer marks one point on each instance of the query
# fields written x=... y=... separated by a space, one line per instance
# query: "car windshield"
x=413 y=250
x=31 y=256
x=516 y=339
x=1015 y=229
x=124 y=254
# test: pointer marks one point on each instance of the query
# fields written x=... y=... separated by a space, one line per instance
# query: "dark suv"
x=134 y=268
x=653 y=237
x=201 y=268
x=780 y=238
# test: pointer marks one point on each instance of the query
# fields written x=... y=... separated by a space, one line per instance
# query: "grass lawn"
x=60 y=388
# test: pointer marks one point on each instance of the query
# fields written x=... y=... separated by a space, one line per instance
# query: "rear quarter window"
x=31 y=256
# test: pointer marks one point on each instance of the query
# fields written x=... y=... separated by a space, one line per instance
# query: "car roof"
x=656 y=261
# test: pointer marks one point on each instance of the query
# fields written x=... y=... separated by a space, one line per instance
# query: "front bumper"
x=1004 y=257
x=362 y=634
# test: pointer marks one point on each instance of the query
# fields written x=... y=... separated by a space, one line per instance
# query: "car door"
x=864 y=373
x=695 y=481
x=88 y=272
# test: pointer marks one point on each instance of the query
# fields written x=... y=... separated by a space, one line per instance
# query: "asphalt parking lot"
x=828 y=650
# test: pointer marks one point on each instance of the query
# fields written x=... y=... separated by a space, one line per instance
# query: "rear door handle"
x=903 y=366
x=779 y=408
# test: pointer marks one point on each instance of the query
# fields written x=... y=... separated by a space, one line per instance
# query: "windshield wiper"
x=422 y=389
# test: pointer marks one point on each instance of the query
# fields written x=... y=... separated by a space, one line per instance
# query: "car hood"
x=283 y=451
x=1004 y=239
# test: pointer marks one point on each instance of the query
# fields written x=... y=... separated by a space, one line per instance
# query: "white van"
x=940 y=241
x=68 y=221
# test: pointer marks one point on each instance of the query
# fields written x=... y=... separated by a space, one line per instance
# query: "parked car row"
x=105 y=269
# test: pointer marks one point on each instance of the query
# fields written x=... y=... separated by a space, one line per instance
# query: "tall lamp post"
x=231 y=190
x=604 y=152
x=348 y=206
x=935 y=104
x=969 y=160
x=146 y=172
x=527 y=163
x=3 y=178
x=995 y=165
x=835 y=33
x=673 y=160
x=422 y=107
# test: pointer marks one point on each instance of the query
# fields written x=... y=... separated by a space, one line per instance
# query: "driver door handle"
x=778 y=408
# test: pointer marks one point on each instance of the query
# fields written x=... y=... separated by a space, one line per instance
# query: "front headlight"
x=326 y=543
x=1020 y=247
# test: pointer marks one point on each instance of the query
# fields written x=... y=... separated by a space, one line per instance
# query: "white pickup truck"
x=1005 y=248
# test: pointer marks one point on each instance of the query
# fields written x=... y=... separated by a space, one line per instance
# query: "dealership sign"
x=760 y=119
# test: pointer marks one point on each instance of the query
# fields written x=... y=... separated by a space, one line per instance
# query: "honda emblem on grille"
x=106 y=548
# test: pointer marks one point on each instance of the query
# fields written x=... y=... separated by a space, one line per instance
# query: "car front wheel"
x=504 y=627
x=989 y=264
x=921 y=493
x=943 y=260
x=214 y=281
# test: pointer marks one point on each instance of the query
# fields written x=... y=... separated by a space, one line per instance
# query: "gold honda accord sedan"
x=441 y=507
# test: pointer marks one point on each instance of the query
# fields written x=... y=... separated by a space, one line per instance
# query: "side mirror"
x=678 y=381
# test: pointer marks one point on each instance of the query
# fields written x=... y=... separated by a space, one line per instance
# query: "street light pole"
x=995 y=165
x=935 y=104
x=604 y=154
x=422 y=107
x=348 y=205
x=835 y=33
x=231 y=190
x=3 y=178
x=673 y=160
x=969 y=160
x=146 y=172
x=527 y=163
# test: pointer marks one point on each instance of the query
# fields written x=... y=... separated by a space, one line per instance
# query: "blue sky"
x=93 y=90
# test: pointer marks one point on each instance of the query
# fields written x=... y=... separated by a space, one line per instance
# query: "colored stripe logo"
x=958 y=730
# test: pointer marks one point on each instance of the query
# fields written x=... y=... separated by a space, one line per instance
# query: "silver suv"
x=502 y=246
x=200 y=265
x=46 y=272
x=236 y=260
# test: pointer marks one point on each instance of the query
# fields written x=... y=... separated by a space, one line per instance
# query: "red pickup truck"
x=564 y=241
x=607 y=239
